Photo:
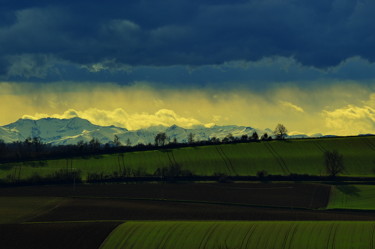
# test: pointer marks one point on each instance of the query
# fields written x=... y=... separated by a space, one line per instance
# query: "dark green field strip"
x=242 y=159
x=114 y=209
x=235 y=234
x=361 y=197
x=76 y=235
x=262 y=194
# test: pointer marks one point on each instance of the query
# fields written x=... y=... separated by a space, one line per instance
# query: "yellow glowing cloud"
x=121 y=118
x=351 y=119
x=327 y=110
x=292 y=106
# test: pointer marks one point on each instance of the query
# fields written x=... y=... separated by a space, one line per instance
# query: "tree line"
x=33 y=148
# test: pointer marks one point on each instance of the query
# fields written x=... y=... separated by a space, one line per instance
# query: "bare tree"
x=334 y=163
x=280 y=131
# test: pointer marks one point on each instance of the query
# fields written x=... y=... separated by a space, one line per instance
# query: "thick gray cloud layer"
x=40 y=38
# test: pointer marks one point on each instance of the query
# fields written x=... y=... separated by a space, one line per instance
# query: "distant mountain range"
x=70 y=131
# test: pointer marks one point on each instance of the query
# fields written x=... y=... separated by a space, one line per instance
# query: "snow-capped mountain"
x=71 y=131
x=58 y=131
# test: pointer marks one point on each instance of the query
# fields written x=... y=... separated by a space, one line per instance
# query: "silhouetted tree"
x=116 y=141
x=280 y=131
x=334 y=163
x=244 y=137
x=2 y=148
x=228 y=138
x=94 y=144
x=255 y=136
x=264 y=137
x=128 y=143
x=191 y=138
x=160 y=139
x=214 y=140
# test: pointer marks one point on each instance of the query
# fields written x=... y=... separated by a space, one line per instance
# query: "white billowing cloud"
x=351 y=119
x=121 y=118
x=292 y=106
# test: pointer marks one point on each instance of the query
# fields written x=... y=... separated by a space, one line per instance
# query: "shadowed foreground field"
x=55 y=236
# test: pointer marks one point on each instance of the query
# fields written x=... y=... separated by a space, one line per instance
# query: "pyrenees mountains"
x=71 y=131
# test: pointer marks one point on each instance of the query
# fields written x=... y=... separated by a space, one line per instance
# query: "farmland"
x=303 y=156
x=84 y=215
x=352 y=197
x=15 y=209
x=242 y=235
x=205 y=214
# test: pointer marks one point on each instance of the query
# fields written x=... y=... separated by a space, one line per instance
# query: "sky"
x=309 y=65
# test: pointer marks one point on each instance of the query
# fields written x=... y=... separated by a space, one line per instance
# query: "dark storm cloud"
x=37 y=34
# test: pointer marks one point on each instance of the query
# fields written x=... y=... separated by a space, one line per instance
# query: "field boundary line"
x=319 y=146
x=166 y=234
x=47 y=210
x=169 y=158
x=173 y=158
x=132 y=231
x=207 y=235
x=222 y=158
x=251 y=188
x=74 y=221
x=278 y=158
x=369 y=143
x=230 y=162
x=108 y=236
x=193 y=201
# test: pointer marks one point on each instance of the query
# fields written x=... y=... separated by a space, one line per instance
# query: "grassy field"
x=179 y=215
x=17 y=209
x=352 y=197
x=276 y=157
x=274 y=234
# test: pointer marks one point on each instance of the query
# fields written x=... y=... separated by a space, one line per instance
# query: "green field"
x=18 y=209
x=228 y=235
x=352 y=197
x=276 y=157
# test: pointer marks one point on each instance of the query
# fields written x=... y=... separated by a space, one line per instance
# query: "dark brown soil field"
x=265 y=194
x=107 y=209
x=199 y=201
x=55 y=236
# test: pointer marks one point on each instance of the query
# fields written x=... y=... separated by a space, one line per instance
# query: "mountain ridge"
x=71 y=131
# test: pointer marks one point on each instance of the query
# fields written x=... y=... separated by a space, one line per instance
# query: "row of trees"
x=34 y=148
x=280 y=132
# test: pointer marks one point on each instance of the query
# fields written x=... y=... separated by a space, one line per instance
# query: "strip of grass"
x=18 y=209
x=352 y=197
x=244 y=159
x=237 y=235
